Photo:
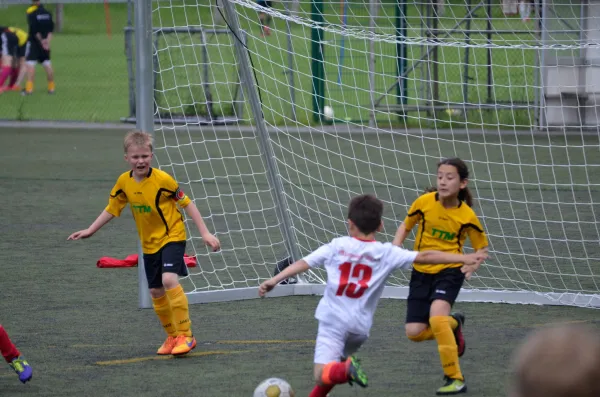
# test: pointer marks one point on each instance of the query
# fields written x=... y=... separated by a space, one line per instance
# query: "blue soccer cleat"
x=22 y=368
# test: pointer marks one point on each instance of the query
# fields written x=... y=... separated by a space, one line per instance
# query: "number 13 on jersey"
x=354 y=280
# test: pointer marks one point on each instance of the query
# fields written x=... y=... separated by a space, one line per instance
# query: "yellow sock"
x=162 y=307
x=426 y=334
x=51 y=86
x=29 y=86
x=453 y=323
x=440 y=325
x=180 y=309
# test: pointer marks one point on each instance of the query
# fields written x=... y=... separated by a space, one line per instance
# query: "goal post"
x=144 y=89
x=276 y=184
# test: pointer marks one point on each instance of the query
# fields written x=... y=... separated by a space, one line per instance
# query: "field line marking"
x=562 y=322
x=264 y=341
x=203 y=343
x=134 y=360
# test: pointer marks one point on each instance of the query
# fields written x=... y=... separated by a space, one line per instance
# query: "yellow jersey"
x=21 y=35
x=443 y=229
x=153 y=202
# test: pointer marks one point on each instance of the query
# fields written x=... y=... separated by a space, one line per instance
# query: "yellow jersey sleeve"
x=415 y=214
x=174 y=191
x=117 y=199
x=476 y=234
x=21 y=35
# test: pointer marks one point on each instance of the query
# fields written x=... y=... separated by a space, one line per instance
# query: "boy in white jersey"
x=357 y=268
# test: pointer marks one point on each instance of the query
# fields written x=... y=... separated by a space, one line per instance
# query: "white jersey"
x=356 y=274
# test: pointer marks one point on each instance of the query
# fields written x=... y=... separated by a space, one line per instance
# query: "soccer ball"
x=328 y=112
x=274 y=387
x=454 y=112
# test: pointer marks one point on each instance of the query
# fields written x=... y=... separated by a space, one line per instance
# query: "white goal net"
x=364 y=96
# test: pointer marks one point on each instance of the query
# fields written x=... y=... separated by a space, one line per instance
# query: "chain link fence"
x=87 y=56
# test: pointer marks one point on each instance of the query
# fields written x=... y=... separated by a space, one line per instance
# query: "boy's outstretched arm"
x=102 y=220
x=290 y=271
x=192 y=211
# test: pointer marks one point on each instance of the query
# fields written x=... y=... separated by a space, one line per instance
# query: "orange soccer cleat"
x=183 y=345
x=167 y=346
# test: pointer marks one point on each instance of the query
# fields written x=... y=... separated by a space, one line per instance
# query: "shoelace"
x=180 y=339
x=18 y=365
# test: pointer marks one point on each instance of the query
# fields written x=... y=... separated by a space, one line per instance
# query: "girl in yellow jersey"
x=445 y=219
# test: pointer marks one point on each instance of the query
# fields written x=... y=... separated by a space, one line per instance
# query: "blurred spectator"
x=41 y=27
x=9 y=47
x=19 y=60
x=265 y=19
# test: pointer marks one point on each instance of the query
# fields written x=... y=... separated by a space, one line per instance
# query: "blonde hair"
x=559 y=361
x=138 y=138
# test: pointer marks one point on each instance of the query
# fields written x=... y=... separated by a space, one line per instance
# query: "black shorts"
x=9 y=44
x=265 y=3
x=36 y=53
x=169 y=259
x=424 y=288
x=22 y=50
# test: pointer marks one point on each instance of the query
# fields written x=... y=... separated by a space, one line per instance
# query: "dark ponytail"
x=463 y=173
x=430 y=189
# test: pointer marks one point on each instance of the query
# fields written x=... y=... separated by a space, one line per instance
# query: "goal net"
x=356 y=96
x=189 y=89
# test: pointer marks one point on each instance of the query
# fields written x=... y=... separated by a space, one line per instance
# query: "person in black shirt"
x=265 y=19
x=41 y=27
x=9 y=44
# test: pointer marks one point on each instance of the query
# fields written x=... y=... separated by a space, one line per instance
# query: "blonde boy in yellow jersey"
x=153 y=196
x=445 y=219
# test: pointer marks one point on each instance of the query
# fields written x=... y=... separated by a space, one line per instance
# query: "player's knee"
x=414 y=330
x=170 y=280
x=440 y=307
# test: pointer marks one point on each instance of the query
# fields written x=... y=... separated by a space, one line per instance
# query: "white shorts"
x=335 y=343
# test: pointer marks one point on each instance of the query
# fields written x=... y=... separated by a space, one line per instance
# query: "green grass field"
x=80 y=326
x=92 y=80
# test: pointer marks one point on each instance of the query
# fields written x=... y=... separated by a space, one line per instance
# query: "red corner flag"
x=132 y=261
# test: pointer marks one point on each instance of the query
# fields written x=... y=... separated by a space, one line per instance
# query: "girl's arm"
x=400 y=236
x=439 y=257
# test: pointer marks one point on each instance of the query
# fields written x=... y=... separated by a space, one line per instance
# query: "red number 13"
x=361 y=272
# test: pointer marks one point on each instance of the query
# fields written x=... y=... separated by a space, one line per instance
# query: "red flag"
x=132 y=261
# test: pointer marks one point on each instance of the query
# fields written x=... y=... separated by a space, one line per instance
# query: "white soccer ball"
x=328 y=112
x=454 y=112
x=274 y=387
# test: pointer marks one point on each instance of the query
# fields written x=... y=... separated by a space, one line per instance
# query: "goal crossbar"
x=466 y=295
